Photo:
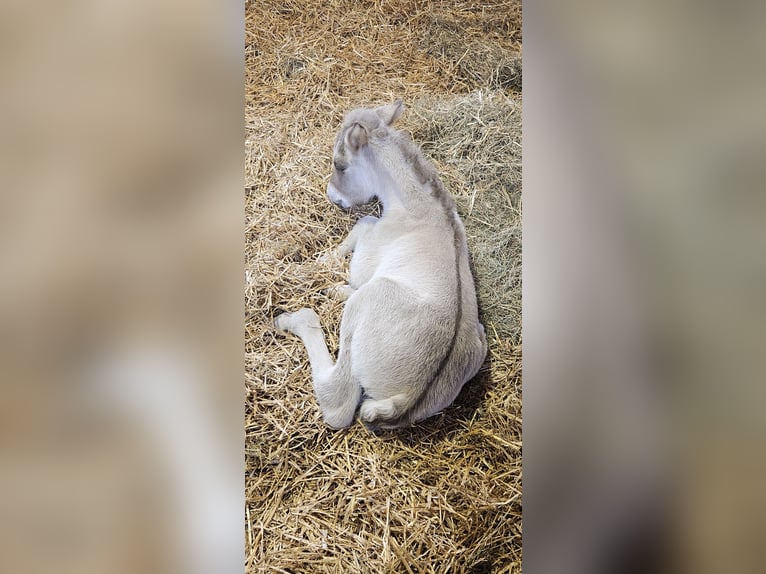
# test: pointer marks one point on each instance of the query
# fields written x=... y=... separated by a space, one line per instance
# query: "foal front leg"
x=339 y=292
x=343 y=291
x=360 y=229
x=336 y=391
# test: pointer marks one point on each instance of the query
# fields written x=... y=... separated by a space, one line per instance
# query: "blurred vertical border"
x=121 y=262
x=643 y=286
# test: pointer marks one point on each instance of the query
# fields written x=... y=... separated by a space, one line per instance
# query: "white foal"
x=410 y=335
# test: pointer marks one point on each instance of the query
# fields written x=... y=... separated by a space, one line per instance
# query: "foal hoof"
x=340 y=292
x=279 y=322
x=289 y=322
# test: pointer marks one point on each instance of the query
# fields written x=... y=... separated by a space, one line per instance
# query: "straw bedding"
x=445 y=495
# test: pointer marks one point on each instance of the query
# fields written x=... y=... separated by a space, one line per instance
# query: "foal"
x=410 y=335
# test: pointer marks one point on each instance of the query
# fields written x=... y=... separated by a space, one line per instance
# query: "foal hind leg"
x=336 y=391
x=376 y=411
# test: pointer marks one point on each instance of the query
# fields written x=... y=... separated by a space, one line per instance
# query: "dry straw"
x=444 y=496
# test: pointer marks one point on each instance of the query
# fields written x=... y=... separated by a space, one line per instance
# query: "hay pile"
x=444 y=496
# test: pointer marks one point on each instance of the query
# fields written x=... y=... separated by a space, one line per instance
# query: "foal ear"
x=356 y=137
x=391 y=112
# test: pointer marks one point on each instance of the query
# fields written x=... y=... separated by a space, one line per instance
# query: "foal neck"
x=406 y=188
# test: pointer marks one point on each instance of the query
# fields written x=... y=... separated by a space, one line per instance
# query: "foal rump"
x=399 y=350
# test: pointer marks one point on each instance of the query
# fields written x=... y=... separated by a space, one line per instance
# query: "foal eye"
x=341 y=167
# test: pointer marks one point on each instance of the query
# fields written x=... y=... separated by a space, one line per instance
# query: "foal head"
x=356 y=176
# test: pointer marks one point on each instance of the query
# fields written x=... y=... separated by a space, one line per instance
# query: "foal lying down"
x=410 y=336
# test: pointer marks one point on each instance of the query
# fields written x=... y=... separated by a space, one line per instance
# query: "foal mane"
x=426 y=174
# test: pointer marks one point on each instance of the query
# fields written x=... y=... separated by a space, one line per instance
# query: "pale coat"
x=410 y=333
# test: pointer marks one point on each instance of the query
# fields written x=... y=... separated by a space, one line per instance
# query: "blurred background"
x=121 y=287
x=643 y=286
